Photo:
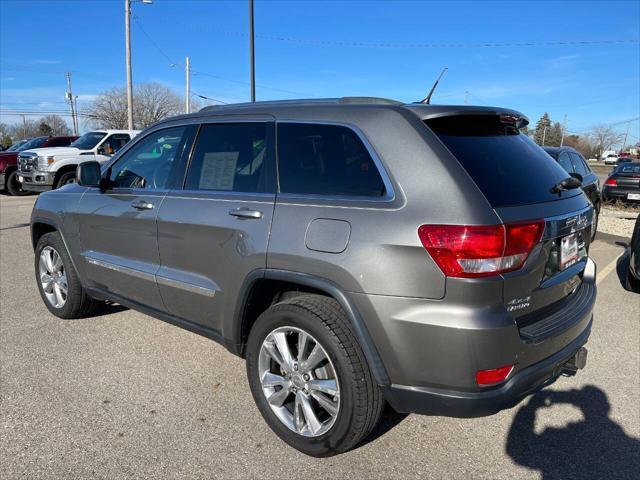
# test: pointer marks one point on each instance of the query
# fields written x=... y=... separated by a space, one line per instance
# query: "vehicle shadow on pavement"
x=106 y=308
x=389 y=419
x=594 y=447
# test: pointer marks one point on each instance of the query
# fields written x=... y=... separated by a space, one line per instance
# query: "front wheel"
x=58 y=281
x=13 y=186
x=309 y=377
x=66 y=179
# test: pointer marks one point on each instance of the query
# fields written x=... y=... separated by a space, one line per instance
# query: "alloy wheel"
x=299 y=381
x=53 y=278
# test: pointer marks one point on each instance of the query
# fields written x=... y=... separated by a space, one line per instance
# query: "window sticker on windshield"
x=218 y=170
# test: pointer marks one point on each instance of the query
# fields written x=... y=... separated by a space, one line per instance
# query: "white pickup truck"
x=44 y=169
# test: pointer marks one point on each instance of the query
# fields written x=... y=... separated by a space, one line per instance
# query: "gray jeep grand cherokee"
x=355 y=251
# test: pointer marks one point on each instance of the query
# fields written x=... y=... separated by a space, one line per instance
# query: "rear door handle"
x=142 y=205
x=245 y=213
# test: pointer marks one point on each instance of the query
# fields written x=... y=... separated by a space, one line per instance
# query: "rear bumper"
x=432 y=350
x=36 y=181
x=434 y=401
x=618 y=193
x=2 y=180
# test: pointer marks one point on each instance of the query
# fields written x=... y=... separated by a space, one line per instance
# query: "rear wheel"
x=13 y=186
x=309 y=377
x=58 y=281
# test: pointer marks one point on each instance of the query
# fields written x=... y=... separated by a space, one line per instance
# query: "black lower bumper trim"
x=449 y=403
x=36 y=188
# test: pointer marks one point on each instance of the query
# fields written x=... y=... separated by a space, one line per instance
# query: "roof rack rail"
x=307 y=101
x=369 y=101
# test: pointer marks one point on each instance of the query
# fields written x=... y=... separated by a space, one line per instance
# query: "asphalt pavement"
x=125 y=395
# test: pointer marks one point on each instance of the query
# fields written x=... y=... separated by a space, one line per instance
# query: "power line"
x=198 y=72
x=173 y=64
x=39 y=113
x=359 y=44
x=194 y=94
x=153 y=42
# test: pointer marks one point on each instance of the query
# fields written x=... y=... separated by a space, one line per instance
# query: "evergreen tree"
x=554 y=135
x=539 y=132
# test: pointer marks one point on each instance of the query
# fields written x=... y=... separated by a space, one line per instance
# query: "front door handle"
x=142 y=205
x=245 y=213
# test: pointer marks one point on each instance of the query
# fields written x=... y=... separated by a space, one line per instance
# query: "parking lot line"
x=609 y=268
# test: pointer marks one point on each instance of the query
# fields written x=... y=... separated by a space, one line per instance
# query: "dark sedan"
x=576 y=166
x=623 y=184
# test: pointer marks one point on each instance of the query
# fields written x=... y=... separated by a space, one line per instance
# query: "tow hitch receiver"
x=575 y=363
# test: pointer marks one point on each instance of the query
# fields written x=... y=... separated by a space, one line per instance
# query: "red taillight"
x=493 y=376
x=469 y=251
x=611 y=181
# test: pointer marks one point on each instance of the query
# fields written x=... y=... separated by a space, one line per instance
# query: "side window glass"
x=230 y=157
x=565 y=162
x=113 y=143
x=325 y=160
x=581 y=168
x=150 y=161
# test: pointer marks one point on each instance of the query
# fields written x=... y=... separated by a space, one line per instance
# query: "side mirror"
x=577 y=176
x=88 y=174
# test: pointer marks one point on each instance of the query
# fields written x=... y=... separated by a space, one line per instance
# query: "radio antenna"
x=427 y=99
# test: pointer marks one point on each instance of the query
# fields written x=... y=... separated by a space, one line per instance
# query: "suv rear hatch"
x=524 y=184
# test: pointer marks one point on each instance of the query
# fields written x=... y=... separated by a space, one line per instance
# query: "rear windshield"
x=629 y=168
x=508 y=167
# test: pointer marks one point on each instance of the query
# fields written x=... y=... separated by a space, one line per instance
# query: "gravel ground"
x=617 y=221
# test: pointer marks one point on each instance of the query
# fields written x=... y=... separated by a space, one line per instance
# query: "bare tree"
x=26 y=129
x=604 y=137
x=151 y=102
x=57 y=125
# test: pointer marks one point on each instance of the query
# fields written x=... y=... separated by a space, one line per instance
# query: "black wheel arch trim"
x=56 y=228
x=46 y=221
x=318 y=283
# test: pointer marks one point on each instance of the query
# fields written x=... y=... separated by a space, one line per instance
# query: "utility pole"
x=75 y=106
x=24 y=127
x=625 y=138
x=187 y=93
x=127 y=38
x=544 y=135
x=466 y=97
x=71 y=104
x=127 y=27
x=564 y=127
x=251 y=53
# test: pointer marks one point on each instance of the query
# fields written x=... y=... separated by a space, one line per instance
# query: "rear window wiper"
x=566 y=184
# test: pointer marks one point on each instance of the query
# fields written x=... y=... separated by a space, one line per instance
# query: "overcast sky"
x=530 y=56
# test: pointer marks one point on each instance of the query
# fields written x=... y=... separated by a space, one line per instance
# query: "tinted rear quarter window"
x=325 y=160
x=507 y=166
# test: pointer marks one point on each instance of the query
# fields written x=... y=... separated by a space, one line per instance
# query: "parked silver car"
x=355 y=251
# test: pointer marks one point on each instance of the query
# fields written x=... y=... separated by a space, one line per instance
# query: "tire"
x=13 y=186
x=632 y=284
x=596 y=216
x=76 y=303
x=65 y=179
x=359 y=399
